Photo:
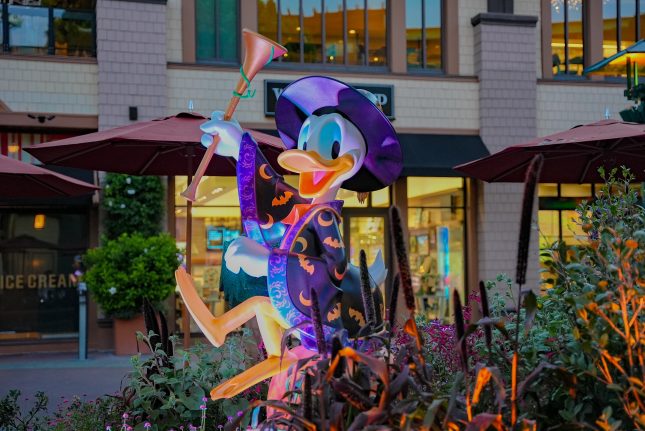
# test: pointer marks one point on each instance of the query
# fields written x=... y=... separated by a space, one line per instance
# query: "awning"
x=435 y=155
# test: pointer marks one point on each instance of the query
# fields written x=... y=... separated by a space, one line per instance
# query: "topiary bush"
x=132 y=205
x=130 y=268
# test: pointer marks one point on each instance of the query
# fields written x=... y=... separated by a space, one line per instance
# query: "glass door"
x=367 y=229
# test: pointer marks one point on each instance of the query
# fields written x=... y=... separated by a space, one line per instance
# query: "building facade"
x=460 y=79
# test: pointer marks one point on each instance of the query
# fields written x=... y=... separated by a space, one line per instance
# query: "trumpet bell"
x=258 y=51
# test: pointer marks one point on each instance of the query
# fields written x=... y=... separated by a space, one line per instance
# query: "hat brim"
x=383 y=162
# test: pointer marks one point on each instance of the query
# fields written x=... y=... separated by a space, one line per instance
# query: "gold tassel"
x=362 y=196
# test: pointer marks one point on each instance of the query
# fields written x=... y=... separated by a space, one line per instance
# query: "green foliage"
x=132 y=204
x=169 y=390
x=81 y=415
x=124 y=271
x=13 y=419
x=602 y=289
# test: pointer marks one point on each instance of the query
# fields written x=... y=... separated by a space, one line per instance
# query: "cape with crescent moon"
x=307 y=249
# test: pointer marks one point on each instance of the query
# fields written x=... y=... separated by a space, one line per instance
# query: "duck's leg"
x=217 y=328
x=270 y=367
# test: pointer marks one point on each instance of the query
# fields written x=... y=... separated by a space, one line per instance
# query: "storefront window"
x=13 y=144
x=437 y=248
x=65 y=28
x=39 y=258
x=423 y=33
x=567 y=37
x=216 y=29
x=557 y=216
x=354 y=30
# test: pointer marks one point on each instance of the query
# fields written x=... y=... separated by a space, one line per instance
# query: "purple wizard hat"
x=322 y=95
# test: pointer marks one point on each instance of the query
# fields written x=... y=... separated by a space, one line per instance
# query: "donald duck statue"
x=336 y=137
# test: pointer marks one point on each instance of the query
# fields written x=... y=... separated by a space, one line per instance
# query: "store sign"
x=37 y=281
x=384 y=94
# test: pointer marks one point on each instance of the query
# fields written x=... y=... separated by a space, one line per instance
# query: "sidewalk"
x=61 y=376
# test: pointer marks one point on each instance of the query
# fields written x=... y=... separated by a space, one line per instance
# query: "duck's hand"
x=229 y=132
x=247 y=255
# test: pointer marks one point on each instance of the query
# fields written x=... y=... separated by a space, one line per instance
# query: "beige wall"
x=173 y=30
x=49 y=86
x=561 y=106
x=418 y=103
x=467 y=10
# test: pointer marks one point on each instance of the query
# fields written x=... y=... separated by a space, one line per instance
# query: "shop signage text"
x=37 y=281
x=384 y=94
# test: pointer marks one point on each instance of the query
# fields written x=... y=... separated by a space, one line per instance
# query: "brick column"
x=131 y=55
x=505 y=63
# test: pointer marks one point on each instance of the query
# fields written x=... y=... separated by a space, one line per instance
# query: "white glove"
x=229 y=132
x=248 y=255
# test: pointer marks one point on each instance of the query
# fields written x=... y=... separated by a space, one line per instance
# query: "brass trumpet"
x=259 y=51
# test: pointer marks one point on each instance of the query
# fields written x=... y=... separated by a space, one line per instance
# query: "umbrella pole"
x=185 y=315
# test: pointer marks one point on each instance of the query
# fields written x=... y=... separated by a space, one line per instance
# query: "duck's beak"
x=317 y=174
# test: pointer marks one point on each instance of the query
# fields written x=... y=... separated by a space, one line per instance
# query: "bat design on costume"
x=305 y=264
x=333 y=242
x=281 y=200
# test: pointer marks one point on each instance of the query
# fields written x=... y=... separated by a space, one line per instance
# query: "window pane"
x=205 y=29
x=436 y=258
x=575 y=190
x=549 y=227
x=377 y=27
x=641 y=18
x=381 y=198
x=355 y=31
x=610 y=35
x=435 y=192
x=413 y=29
x=311 y=10
x=268 y=19
x=212 y=191
x=334 y=31
x=73 y=33
x=350 y=199
x=545 y=190
x=290 y=15
x=216 y=29
x=227 y=29
x=575 y=45
x=433 y=34
x=29 y=31
x=627 y=23
x=557 y=37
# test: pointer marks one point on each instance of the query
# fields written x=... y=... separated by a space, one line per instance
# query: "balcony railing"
x=47 y=31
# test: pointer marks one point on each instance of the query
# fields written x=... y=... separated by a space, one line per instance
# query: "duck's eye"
x=304 y=146
x=335 y=149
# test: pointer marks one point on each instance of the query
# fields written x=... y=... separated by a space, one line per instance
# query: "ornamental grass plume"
x=307 y=402
x=460 y=330
x=366 y=292
x=398 y=240
x=316 y=320
x=488 y=331
x=530 y=183
x=394 y=298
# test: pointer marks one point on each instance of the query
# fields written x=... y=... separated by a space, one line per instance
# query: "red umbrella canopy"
x=22 y=180
x=572 y=156
x=165 y=146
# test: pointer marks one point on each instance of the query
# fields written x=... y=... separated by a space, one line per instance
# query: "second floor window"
x=216 y=30
x=345 y=32
x=48 y=27
x=423 y=33
x=567 y=37
x=622 y=26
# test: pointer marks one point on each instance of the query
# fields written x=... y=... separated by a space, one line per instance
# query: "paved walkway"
x=61 y=376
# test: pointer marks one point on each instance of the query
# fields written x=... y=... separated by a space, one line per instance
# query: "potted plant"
x=123 y=272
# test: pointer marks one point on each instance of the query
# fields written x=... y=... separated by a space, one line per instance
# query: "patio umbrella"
x=165 y=146
x=23 y=180
x=572 y=156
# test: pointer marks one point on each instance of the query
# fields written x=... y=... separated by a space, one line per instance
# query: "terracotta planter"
x=125 y=336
